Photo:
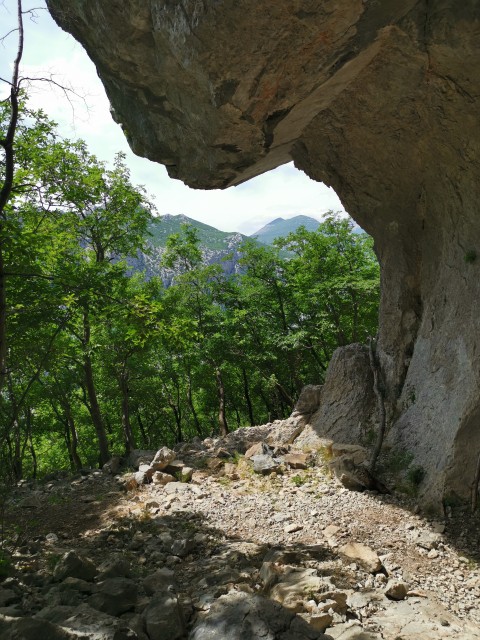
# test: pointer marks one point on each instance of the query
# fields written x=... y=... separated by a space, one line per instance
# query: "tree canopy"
x=100 y=360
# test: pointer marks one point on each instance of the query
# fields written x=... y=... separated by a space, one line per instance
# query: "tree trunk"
x=192 y=406
x=17 y=464
x=126 y=424
x=8 y=144
x=222 y=417
x=3 y=318
x=73 y=439
x=246 y=391
x=94 y=405
x=141 y=426
x=30 y=442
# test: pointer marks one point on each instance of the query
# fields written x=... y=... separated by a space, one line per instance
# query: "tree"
x=7 y=169
x=69 y=223
x=105 y=218
x=196 y=293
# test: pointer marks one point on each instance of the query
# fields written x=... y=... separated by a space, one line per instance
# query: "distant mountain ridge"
x=281 y=227
x=218 y=247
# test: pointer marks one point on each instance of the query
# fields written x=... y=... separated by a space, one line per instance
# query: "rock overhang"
x=220 y=92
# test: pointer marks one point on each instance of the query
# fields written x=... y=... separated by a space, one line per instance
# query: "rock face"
x=347 y=409
x=378 y=100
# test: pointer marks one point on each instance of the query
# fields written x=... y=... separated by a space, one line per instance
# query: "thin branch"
x=8 y=34
x=50 y=80
x=33 y=10
x=67 y=91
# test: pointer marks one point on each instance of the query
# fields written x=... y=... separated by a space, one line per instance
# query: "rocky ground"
x=217 y=545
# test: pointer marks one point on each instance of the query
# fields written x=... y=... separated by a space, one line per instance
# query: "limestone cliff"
x=378 y=100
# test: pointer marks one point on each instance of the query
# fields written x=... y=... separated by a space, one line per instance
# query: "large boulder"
x=347 y=407
x=240 y=615
x=378 y=100
x=308 y=402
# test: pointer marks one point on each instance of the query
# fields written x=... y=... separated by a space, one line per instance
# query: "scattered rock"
x=362 y=554
x=140 y=456
x=32 y=629
x=74 y=566
x=114 y=567
x=162 y=478
x=162 y=459
x=230 y=471
x=7 y=597
x=428 y=539
x=265 y=464
x=112 y=466
x=296 y=460
x=114 y=596
x=250 y=617
x=356 y=477
x=331 y=531
x=51 y=538
x=292 y=528
x=396 y=590
x=140 y=477
x=193 y=540
x=255 y=450
x=163 y=618
x=296 y=586
x=162 y=580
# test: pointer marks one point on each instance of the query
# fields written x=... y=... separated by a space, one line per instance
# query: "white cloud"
x=284 y=192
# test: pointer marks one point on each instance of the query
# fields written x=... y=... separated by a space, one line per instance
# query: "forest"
x=96 y=359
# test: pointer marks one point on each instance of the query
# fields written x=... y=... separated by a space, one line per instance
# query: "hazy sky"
x=284 y=192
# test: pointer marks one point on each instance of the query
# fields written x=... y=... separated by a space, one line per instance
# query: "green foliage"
x=470 y=256
x=101 y=360
x=236 y=457
x=416 y=475
x=398 y=461
x=298 y=481
x=6 y=567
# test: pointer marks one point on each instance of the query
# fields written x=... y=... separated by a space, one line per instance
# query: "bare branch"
x=68 y=91
x=3 y=38
x=33 y=10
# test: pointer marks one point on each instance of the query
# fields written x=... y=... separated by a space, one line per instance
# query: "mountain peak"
x=281 y=227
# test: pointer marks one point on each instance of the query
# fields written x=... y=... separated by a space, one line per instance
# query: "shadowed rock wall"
x=378 y=100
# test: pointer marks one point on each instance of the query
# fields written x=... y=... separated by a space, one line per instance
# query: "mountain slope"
x=218 y=247
x=210 y=237
x=281 y=227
